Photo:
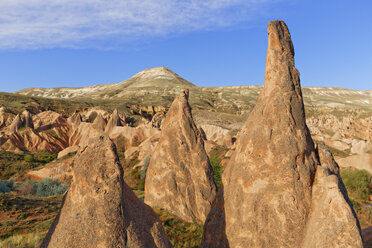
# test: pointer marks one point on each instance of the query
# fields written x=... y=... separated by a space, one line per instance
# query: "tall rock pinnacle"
x=267 y=185
x=100 y=210
x=179 y=177
x=270 y=175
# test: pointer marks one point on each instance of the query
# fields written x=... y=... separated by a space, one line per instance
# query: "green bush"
x=44 y=157
x=217 y=170
x=29 y=158
x=357 y=183
x=49 y=187
x=40 y=157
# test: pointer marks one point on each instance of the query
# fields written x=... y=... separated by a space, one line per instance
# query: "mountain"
x=158 y=77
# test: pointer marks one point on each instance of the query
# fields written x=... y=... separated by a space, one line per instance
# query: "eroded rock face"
x=332 y=222
x=214 y=234
x=99 y=123
x=179 y=177
x=268 y=194
x=75 y=119
x=113 y=122
x=100 y=210
x=27 y=119
x=16 y=124
x=267 y=183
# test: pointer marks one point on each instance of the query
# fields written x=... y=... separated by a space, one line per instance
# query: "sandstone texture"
x=99 y=123
x=16 y=124
x=217 y=134
x=75 y=119
x=68 y=150
x=113 y=122
x=100 y=210
x=179 y=177
x=333 y=222
x=275 y=191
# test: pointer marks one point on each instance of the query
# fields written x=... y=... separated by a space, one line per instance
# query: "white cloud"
x=71 y=23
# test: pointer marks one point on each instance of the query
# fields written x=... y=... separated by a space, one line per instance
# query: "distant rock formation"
x=179 y=177
x=100 y=210
x=23 y=120
x=270 y=196
x=99 y=123
x=27 y=119
x=217 y=134
x=75 y=119
x=16 y=124
x=113 y=122
x=2 y=117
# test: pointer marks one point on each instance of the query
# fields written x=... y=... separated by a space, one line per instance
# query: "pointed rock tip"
x=280 y=71
x=26 y=112
x=185 y=94
x=279 y=37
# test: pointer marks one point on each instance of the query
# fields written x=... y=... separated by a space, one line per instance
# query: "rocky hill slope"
x=163 y=85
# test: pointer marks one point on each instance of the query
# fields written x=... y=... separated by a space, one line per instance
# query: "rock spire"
x=179 y=177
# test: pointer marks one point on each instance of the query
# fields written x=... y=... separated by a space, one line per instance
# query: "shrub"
x=44 y=157
x=29 y=158
x=26 y=188
x=7 y=186
x=49 y=187
x=46 y=187
x=357 y=183
x=4 y=188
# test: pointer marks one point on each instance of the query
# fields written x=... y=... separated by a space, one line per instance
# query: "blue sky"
x=72 y=43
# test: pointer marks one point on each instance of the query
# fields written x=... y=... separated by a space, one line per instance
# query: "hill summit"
x=156 y=77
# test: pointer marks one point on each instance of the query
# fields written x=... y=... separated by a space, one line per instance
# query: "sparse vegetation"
x=357 y=183
x=364 y=213
x=120 y=149
x=217 y=170
x=46 y=187
x=7 y=186
x=215 y=157
x=17 y=103
x=49 y=187
x=180 y=233
x=29 y=240
x=13 y=164
x=339 y=153
x=25 y=215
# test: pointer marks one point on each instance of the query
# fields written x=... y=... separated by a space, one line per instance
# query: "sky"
x=69 y=43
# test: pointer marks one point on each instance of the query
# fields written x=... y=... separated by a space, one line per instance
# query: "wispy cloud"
x=72 y=23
